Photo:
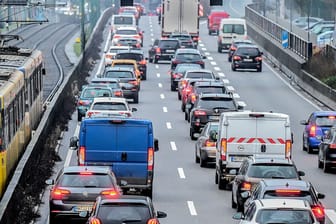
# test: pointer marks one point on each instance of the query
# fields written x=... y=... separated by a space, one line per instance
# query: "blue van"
x=127 y=145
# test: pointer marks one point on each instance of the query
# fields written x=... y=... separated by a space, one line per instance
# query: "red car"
x=214 y=20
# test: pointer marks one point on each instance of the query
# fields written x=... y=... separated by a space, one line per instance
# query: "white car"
x=109 y=55
x=283 y=210
x=126 y=32
x=110 y=106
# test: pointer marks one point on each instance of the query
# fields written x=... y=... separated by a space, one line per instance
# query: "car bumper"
x=129 y=94
x=247 y=65
x=209 y=154
x=313 y=142
x=225 y=46
x=59 y=210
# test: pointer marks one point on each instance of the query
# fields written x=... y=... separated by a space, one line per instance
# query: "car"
x=194 y=74
x=185 y=39
x=129 y=63
x=247 y=56
x=113 y=83
x=234 y=46
x=327 y=150
x=317 y=30
x=202 y=87
x=76 y=188
x=253 y=169
x=178 y=73
x=87 y=95
x=130 y=42
x=124 y=209
x=208 y=107
x=163 y=49
x=304 y=21
x=313 y=25
x=126 y=32
x=109 y=55
x=205 y=148
x=265 y=211
x=318 y=123
x=130 y=10
x=187 y=55
x=287 y=188
x=110 y=105
x=128 y=81
x=138 y=56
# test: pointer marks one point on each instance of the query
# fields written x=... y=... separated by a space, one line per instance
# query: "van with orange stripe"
x=244 y=134
x=127 y=145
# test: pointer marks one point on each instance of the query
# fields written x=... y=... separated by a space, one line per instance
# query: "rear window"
x=113 y=85
x=123 y=66
x=168 y=44
x=251 y=51
x=188 y=56
x=96 y=92
x=209 y=89
x=325 y=120
x=203 y=75
x=217 y=102
x=234 y=28
x=85 y=180
x=291 y=194
x=119 y=20
x=182 y=67
x=109 y=106
x=126 y=32
x=137 y=57
x=272 y=171
x=118 y=74
x=297 y=216
x=124 y=213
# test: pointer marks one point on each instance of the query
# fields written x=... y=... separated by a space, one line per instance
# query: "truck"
x=180 y=17
x=126 y=145
x=244 y=134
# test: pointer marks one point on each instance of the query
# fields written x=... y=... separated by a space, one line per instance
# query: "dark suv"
x=252 y=170
x=208 y=107
x=247 y=56
x=295 y=189
x=136 y=55
x=163 y=49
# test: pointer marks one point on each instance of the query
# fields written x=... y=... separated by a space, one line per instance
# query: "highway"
x=185 y=191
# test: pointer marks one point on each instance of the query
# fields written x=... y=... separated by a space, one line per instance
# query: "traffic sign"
x=284 y=39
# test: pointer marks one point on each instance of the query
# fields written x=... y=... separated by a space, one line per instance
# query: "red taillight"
x=150 y=159
x=312 y=131
x=193 y=98
x=184 y=83
x=83 y=102
x=110 y=192
x=318 y=211
x=236 y=58
x=223 y=146
x=108 y=56
x=152 y=221
x=209 y=143
x=116 y=36
x=195 y=38
x=246 y=186
x=85 y=173
x=81 y=155
x=233 y=48
x=118 y=93
x=287 y=191
x=332 y=146
x=158 y=50
x=177 y=75
x=133 y=82
x=288 y=148
x=143 y=62
x=258 y=58
x=199 y=113
x=94 y=221
x=90 y=113
x=59 y=194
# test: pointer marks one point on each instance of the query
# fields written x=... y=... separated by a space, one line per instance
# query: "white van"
x=229 y=30
x=246 y=133
x=122 y=21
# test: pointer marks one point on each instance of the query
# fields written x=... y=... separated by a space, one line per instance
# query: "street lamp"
x=82 y=27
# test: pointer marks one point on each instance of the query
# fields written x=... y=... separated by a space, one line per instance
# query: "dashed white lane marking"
x=152 y=39
x=157 y=66
x=192 y=208
x=230 y=88
x=201 y=45
x=210 y=58
x=158 y=75
x=151 y=30
x=213 y=63
x=181 y=173
x=203 y=49
x=217 y=68
x=199 y=41
x=160 y=85
x=169 y=126
x=226 y=81
x=152 y=34
x=207 y=53
x=165 y=109
x=162 y=96
x=173 y=146
x=236 y=95
x=221 y=74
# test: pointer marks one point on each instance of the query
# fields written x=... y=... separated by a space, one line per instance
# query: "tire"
x=209 y=32
x=221 y=183
x=179 y=96
x=259 y=69
x=319 y=163
x=240 y=207
x=304 y=148
x=79 y=116
x=144 y=75
x=172 y=88
x=155 y=61
x=203 y=162
x=185 y=115
x=149 y=192
x=229 y=59
x=219 y=50
x=326 y=167
x=310 y=150
x=136 y=98
x=183 y=107
x=233 y=204
x=216 y=177
x=52 y=220
x=197 y=159
x=150 y=60
x=233 y=68
x=192 y=134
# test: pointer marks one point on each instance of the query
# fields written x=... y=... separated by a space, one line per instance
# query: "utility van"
x=229 y=30
x=244 y=134
x=127 y=145
x=122 y=21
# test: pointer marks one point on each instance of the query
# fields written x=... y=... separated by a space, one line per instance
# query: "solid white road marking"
x=192 y=208
x=162 y=96
x=158 y=75
x=213 y=63
x=217 y=68
x=169 y=126
x=165 y=109
x=160 y=85
x=226 y=81
x=221 y=74
x=173 y=146
x=230 y=88
x=210 y=58
x=181 y=173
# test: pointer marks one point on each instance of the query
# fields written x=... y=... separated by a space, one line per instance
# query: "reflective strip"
x=256 y=140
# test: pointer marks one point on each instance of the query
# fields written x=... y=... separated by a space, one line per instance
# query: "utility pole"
x=83 y=27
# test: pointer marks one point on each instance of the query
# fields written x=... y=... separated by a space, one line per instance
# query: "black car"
x=178 y=73
x=327 y=150
x=234 y=46
x=208 y=107
x=163 y=49
x=252 y=170
x=288 y=188
x=136 y=55
x=187 y=55
x=124 y=209
x=185 y=39
x=75 y=190
x=129 y=83
x=247 y=57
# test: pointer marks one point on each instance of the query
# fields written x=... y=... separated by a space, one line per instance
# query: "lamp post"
x=83 y=27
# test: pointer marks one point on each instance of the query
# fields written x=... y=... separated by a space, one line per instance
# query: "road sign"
x=284 y=39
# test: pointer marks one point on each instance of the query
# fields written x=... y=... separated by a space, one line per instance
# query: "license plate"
x=82 y=208
x=237 y=158
x=214 y=117
x=248 y=60
x=170 y=51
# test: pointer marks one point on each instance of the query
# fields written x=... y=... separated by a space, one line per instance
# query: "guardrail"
x=297 y=44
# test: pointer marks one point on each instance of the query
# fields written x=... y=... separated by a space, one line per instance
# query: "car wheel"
x=259 y=69
x=326 y=167
x=155 y=61
x=304 y=148
x=319 y=163
x=216 y=177
x=310 y=149
x=144 y=75
x=149 y=192
x=150 y=60
x=233 y=204
x=222 y=184
x=172 y=88
x=185 y=115
x=183 y=107
x=209 y=32
x=240 y=206
x=179 y=96
x=136 y=98
x=197 y=159
x=219 y=49
x=233 y=68
x=229 y=59
x=203 y=162
x=192 y=137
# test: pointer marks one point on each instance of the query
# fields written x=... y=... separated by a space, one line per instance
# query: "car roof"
x=199 y=70
x=110 y=80
x=127 y=28
x=97 y=85
x=242 y=41
x=256 y=160
x=283 y=203
x=247 y=46
x=210 y=83
x=133 y=51
x=218 y=95
x=273 y=184
x=187 y=50
x=122 y=15
x=78 y=169
x=109 y=99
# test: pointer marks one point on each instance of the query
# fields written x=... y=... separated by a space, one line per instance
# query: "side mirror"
x=160 y=214
x=217 y=78
x=245 y=195
x=303 y=122
x=146 y=58
x=204 y=57
x=213 y=135
x=74 y=143
x=261 y=52
x=50 y=182
x=134 y=109
x=238 y=216
x=156 y=144
x=301 y=173
x=320 y=196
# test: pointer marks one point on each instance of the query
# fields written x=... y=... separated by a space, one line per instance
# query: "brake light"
x=199 y=113
x=158 y=50
x=108 y=56
x=81 y=155
x=318 y=211
x=90 y=113
x=288 y=148
x=110 y=192
x=209 y=143
x=83 y=102
x=152 y=221
x=236 y=58
x=331 y=117
x=246 y=186
x=287 y=191
x=177 y=75
x=258 y=58
x=95 y=221
x=312 y=131
x=143 y=62
x=133 y=82
x=118 y=93
x=184 y=83
x=233 y=48
x=332 y=146
x=195 y=38
x=193 y=98
x=116 y=36
x=150 y=159
x=85 y=173
x=59 y=193
x=223 y=147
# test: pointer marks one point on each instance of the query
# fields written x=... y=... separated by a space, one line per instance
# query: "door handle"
x=123 y=156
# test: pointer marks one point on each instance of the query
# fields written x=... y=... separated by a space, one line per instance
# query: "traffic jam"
x=249 y=153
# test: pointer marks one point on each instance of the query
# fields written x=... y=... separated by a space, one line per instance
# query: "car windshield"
x=197 y=75
x=290 y=194
x=109 y=106
x=234 y=28
x=96 y=92
x=133 y=56
x=216 y=102
x=118 y=74
x=116 y=213
x=119 y=20
x=251 y=51
x=126 y=32
x=188 y=56
x=113 y=85
x=325 y=120
x=85 y=180
x=184 y=67
x=210 y=89
x=168 y=44
x=288 y=216
x=272 y=171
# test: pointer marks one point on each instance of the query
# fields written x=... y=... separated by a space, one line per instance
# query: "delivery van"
x=229 y=30
x=127 y=145
x=246 y=133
